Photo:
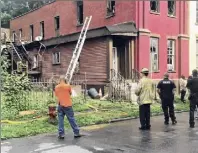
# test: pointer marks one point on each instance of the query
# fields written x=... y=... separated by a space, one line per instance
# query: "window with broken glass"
x=171 y=7
x=56 y=58
x=110 y=7
x=154 y=6
x=171 y=55
x=80 y=12
x=154 y=51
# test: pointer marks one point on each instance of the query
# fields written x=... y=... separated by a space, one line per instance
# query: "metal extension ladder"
x=78 y=49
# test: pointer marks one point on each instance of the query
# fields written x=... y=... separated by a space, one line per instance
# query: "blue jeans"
x=68 y=111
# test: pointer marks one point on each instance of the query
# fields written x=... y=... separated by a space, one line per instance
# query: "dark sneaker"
x=148 y=127
x=77 y=135
x=192 y=126
x=61 y=137
x=142 y=128
x=166 y=122
x=174 y=122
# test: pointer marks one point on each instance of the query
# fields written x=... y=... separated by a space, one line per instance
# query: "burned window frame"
x=31 y=32
x=157 y=6
x=20 y=33
x=171 y=4
x=57 y=25
x=42 y=28
x=80 y=12
x=111 y=7
x=56 y=60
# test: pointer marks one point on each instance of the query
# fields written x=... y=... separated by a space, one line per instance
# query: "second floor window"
x=196 y=11
x=80 y=12
x=20 y=34
x=171 y=7
x=42 y=29
x=35 y=61
x=154 y=6
x=31 y=33
x=110 y=7
x=57 y=25
x=56 y=58
x=13 y=36
x=171 y=55
x=154 y=51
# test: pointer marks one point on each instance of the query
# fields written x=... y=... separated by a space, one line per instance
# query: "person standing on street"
x=145 y=93
x=192 y=85
x=182 y=83
x=63 y=93
x=166 y=89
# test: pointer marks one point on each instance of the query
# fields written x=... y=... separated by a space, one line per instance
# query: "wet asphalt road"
x=120 y=137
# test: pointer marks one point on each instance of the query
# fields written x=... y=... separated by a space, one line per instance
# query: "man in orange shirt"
x=63 y=94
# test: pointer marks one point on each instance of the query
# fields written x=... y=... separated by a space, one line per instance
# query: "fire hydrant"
x=52 y=114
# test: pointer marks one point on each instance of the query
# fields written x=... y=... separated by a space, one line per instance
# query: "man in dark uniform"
x=192 y=85
x=166 y=89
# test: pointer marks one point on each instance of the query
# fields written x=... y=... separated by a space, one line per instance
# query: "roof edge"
x=32 y=10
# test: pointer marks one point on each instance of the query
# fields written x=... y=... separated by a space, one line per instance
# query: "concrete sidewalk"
x=120 y=137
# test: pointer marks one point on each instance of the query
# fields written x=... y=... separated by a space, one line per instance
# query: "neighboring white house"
x=193 y=31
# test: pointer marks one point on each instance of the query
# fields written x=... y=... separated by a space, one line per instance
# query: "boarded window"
x=172 y=7
x=80 y=12
x=56 y=58
x=154 y=5
x=154 y=54
x=110 y=7
x=171 y=55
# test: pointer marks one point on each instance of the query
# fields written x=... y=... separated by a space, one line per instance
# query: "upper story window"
x=57 y=25
x=20 y=34
x=13 y=36
x=80 y=12
x=154 y=54
x=42 y=26
x=196 y=11
x=56 y=58
x=110 y=7
x=154 y=6
x=171 y=7
x=171 y=55
x=31 y=32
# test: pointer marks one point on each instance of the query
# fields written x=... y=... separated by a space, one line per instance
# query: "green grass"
x=86 y=116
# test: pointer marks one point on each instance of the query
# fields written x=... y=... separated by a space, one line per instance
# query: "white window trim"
x=53 y=58
x=157 y=8
x=152 y=41
x=172 y=55
x=42 y=28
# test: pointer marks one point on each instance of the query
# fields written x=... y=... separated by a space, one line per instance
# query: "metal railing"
x=119 y=88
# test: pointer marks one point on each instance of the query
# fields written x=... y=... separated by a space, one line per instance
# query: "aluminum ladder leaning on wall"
x=77 y=50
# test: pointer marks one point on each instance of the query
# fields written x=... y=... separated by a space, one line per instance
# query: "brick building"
x=123 y=35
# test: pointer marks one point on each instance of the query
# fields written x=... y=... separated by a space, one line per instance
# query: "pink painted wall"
x=164 y=27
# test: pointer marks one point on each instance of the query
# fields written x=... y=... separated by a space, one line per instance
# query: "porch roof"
x=122 y=29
